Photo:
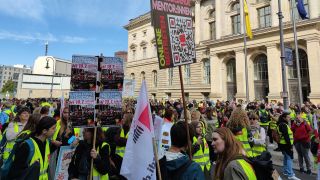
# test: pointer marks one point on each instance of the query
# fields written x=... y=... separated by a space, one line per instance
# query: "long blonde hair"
x=238 y=119
x=232 y=149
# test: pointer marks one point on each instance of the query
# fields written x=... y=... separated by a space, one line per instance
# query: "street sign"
x=289 y=56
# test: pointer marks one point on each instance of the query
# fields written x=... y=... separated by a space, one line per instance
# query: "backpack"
x=262 y=165
x=7 y=165
x=314 y=146
x=276 y=135
x=172 y=175
x=210 y=128
x=263 y=116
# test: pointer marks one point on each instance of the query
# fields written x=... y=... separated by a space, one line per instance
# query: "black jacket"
x=283 y=128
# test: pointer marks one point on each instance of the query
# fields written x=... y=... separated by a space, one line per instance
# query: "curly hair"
x=238 y=119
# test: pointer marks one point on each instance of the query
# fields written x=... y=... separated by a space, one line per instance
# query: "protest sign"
x=84 y=73
x=64 y=159
x=112 y=73
x=109 y=108
x=172 y=22
x=82 y=108
x=128 y=88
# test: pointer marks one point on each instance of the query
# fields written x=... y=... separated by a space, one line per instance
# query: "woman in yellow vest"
x=14 y=128
x=200 y=149
x=228 y=165
x=259 y=135
x=37 y=167
x=79 y=168
x=239 y=124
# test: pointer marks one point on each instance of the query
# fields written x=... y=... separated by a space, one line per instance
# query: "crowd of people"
x=226 y=138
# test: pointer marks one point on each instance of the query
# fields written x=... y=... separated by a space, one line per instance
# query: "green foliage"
x=9 y=86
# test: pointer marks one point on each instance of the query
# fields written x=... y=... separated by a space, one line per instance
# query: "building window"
x=212 y=14
x=143 y=76
x=144 y=52
x=236 y=19
x=304 y=68
x=155 y=78
x=261 y=67
x=132 y=76
x=264 y=17
x=134 y=54
x=212 y=30
x=187 y=74
x=231 y=70
x=170 y=76
x=206 y=71
x=295 y=10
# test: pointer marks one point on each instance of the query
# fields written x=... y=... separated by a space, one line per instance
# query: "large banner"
x=82 y=108
x=172 y=22
x=64 y=159
x=110 y=108
x=128 y=88
x=112 y=73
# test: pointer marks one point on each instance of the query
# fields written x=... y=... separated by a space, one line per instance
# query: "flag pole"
x=94 y=147
x=185 y=113
x=156 y=157
x=297 y=51
x=245 y=50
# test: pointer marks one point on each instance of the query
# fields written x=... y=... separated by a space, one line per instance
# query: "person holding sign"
x=79 y=168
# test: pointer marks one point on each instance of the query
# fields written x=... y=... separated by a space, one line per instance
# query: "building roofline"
x=138 y=21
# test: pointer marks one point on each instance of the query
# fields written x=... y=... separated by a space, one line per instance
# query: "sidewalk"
x=277 y=159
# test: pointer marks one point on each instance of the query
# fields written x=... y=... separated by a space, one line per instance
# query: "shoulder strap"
x=31 y=149
x=182 y=169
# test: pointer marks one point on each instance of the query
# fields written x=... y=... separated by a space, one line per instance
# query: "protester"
x=44 y=111
x=229 y=164
x=79 y=167
x=301 y=134
x=30 y=127
x=176 y=163
x=259 y=135
x=38 y=166
x=200 y=149
x=211 y=126
x=286 y=145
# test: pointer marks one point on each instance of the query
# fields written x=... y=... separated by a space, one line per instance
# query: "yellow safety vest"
x=105 y=129
x=9 y=146
x=273 y=125
x=12 y=109
x=96 y=174
x=282 y=140
x=44 y=161
x=45 y=104
x=77 y=132
x=292 y=114
x=306 y=118
x=258 y=149
x=58 y=127
x=202 y=155
x=263 y=111
x=120 y=150
x=248 y=169
x=243 y=138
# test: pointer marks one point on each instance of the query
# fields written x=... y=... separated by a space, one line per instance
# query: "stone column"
x=314 y=9
x=197 y=21
x=274 y=72
x=313 y=52
x=216 y=77
x=218 y=9
x=240 y=74
x=274 y=11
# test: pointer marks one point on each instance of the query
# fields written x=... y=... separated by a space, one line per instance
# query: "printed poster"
x=112 y=73
x=64 y=159
x=84 y=73
x=109 y=108
x=82 y=108
x=128 y=88
x=172 y=22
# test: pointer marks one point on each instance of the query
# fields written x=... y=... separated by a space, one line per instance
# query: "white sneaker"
x=271 y=145
x=293 y=177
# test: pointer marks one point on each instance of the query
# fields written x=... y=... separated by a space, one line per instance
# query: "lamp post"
x=53 y=70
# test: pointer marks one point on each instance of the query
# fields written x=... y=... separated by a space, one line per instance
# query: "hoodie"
x=171 y=162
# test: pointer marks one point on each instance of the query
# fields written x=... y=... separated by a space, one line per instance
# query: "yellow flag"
x=246 y=13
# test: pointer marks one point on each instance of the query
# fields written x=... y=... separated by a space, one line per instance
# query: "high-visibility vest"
x=9 y=146
x=105 y=129
x=120 y=150
x=96 y=174
x=58 y=127
x=292 y=114
x=248 y=169
x=273 y=125
x=13 y=107
x=45 y=104
x=306 y=118
x=44 y=161
x=282 y=140
x=77 y=132
x=243 y=138
x=263 y=111
x=202 y=155
x=258 y=149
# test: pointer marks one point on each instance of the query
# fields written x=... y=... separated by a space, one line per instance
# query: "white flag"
x=139 y=161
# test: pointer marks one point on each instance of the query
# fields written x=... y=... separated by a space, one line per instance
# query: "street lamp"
x=53 y=69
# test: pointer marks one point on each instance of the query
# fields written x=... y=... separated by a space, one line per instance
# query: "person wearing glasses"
x=258 y=135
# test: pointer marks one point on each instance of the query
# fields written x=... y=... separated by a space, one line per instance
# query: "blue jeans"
x=287 y=164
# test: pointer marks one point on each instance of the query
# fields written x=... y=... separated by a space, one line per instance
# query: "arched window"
x=206 y=71
x=132 y=76
x=231 y=70
x=304 y=68
x=236 y=7
x=212 y=24
x=261 y=67
x=236 y=19
x=155 y=78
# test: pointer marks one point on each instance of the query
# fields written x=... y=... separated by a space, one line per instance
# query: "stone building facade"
x=219 y=72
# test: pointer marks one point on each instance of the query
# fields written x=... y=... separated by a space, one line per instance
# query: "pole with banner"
x=174 y=38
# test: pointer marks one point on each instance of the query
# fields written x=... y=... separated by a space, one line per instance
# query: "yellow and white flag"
x=247 y=19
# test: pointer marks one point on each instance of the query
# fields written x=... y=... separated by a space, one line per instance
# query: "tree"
x=9 y=86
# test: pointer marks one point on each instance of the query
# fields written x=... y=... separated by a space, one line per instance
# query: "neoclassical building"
x=219 y=72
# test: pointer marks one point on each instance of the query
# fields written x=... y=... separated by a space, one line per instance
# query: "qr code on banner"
x=182 y=41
